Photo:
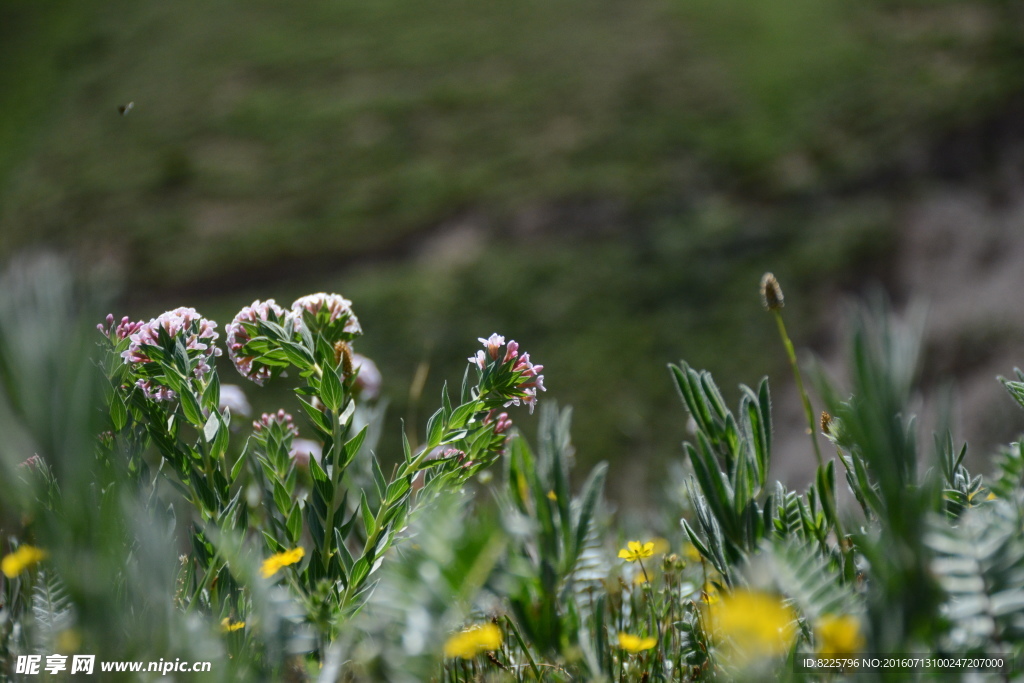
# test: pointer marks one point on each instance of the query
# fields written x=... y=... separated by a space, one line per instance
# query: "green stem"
x=522 y=644
x=647 y=579
x=202 y=584
x=808 y=411
x=339 y=443
x=840 y=533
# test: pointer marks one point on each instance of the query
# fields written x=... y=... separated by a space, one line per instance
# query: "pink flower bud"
x=280 y=417
x=237 y=337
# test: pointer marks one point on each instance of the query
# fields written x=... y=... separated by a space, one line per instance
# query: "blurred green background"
x=603 y=181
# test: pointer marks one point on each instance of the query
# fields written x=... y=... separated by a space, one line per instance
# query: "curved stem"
x=808 y=411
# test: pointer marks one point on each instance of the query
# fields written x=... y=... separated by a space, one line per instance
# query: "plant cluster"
x=160 y=527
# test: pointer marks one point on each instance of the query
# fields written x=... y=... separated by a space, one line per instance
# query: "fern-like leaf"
x=787 y=522
x=809 y=579
x=1009 y=475
x=52 y=612
x=980 y=565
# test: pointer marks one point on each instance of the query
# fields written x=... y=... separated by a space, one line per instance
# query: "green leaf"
x=118 y=412
x=180 y=356
x=368 y=521
x=379 y=482
x=273 y=544
x=190 y=406
x=319 y=420
x=465 y=392
x=204 y=492
x=219 y=447
x=396 y=490
x=753 y=524
x=343 y=554
x=1015 y=388
x=353 y=445
x=826 y=486
x=435 y=428
x=590 y=496
x=223 y=487
x=316 y=527
x=462 y=414
x=319 y=476
x=758 y=431
x=360 y=570
x=764 y=404
x=297 y=355
x=1009 y=475
x=212 y=427
x=239 y=464
x=446 y=401
x=719 y=545
x=742 y=484
x=452 y=437
x=331 y=391
x=347 y=413
x=211 y=395
x=295 y=524
x=695 y=540
x=713 y=483
x=281 y=498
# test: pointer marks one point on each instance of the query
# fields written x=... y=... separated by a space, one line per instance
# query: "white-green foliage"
x=980 y=565
x=52 y=612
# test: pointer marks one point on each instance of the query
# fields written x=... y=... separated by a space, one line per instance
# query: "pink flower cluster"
x=279 y=418
x=335 y=304
x=197 y=333
x=237 y=337
x=332 y=306
x=528 y=379
x=301 y=449
x=34 y=462
x=124 y=329
x=493 y=345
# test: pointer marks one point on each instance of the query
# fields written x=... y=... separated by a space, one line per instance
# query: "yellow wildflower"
x=227 y=626
x=631 y=643
x=25 y=557
x=274 y=563
x=473 y=640
x=990 y=496
x=838 y=635
x=552 y=496
x=751 y=623
x=636 y=551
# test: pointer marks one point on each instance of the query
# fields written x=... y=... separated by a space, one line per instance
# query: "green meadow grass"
x=263 y=131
